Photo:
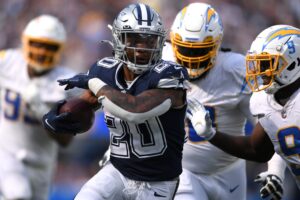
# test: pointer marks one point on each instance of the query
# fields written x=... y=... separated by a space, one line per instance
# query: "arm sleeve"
x=136 y=118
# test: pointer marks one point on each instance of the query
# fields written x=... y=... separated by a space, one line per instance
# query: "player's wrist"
x=210 y=134
x=95 y=84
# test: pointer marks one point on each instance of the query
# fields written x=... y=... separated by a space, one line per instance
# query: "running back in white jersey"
x=21 y=132
x=224 y=93
x=282 y=124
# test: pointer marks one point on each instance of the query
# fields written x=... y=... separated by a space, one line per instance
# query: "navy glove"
x=60 y=123
x=79 y=81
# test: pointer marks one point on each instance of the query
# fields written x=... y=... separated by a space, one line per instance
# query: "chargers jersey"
x=224 y=93
x=150 y=151
x=22 y=134
x=282 y=124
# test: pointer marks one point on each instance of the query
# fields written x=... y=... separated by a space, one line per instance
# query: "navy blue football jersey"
x=150 y=151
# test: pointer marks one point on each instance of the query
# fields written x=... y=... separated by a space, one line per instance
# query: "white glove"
x=200 y=119
x=272 y=185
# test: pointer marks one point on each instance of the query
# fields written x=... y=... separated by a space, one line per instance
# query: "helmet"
x=43 y=40
x=196 y=35
x=138 y=30
x=273 y=59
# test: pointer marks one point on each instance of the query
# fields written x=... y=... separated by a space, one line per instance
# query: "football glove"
x=200 y=119
x=83 y=81
x=60 y=123
x=79 y=81
x=272 y=185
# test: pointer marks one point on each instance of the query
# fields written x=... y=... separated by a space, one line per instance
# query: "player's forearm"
x=137 y=109
x=143 y=102
x=239 y=146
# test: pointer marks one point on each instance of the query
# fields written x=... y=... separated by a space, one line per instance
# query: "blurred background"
x=86 y=24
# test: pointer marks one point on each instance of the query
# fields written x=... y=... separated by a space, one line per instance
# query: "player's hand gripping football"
x=60 y=123
x=271 y=185
x=200 y=119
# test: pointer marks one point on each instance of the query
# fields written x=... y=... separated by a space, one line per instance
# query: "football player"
x=218 y=81
x=27 y=151
x=144 y=100
x=273 y=74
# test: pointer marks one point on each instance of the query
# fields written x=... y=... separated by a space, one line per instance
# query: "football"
x=81 y=111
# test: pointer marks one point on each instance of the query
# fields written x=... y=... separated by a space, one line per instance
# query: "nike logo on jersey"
x=158 y=195
x=233 y=189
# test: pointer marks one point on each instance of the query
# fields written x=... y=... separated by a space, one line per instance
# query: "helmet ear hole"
x=291 y=66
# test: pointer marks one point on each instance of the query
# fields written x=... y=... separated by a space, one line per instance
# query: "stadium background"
x=86 y=24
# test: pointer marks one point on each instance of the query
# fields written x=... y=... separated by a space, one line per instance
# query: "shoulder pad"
x=259 y=104
x=108 y=62
x=171 y=75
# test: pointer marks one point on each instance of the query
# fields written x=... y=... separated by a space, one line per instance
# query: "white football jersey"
x=282 y=124
x=225 y=94
x=21 y=133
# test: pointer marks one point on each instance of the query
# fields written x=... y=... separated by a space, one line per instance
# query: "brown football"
x=81 y=111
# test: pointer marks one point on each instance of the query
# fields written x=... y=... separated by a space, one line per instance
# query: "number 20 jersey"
x=150 y=151
x=282 y=124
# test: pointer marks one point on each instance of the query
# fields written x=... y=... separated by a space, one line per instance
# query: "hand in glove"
x=200 y=119
x=83 y=81
x=272 y=185
x=60 y=123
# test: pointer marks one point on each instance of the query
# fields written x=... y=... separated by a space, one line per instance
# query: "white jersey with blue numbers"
x=21 y=133
x=282 y=124
x=224 y=93
x=149 y=151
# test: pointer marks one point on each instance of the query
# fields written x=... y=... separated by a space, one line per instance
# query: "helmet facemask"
x=140 y=51
x=41 y=54
x=197 y=57
x=43 y=39
x=196 y=35
x=262 y=70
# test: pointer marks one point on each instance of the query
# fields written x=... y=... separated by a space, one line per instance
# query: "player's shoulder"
x=167 y=68
x=8 y=54
x=107 y=62
x=259 y=103
x=232 y=62
x=169 y=74
x=105 y=69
